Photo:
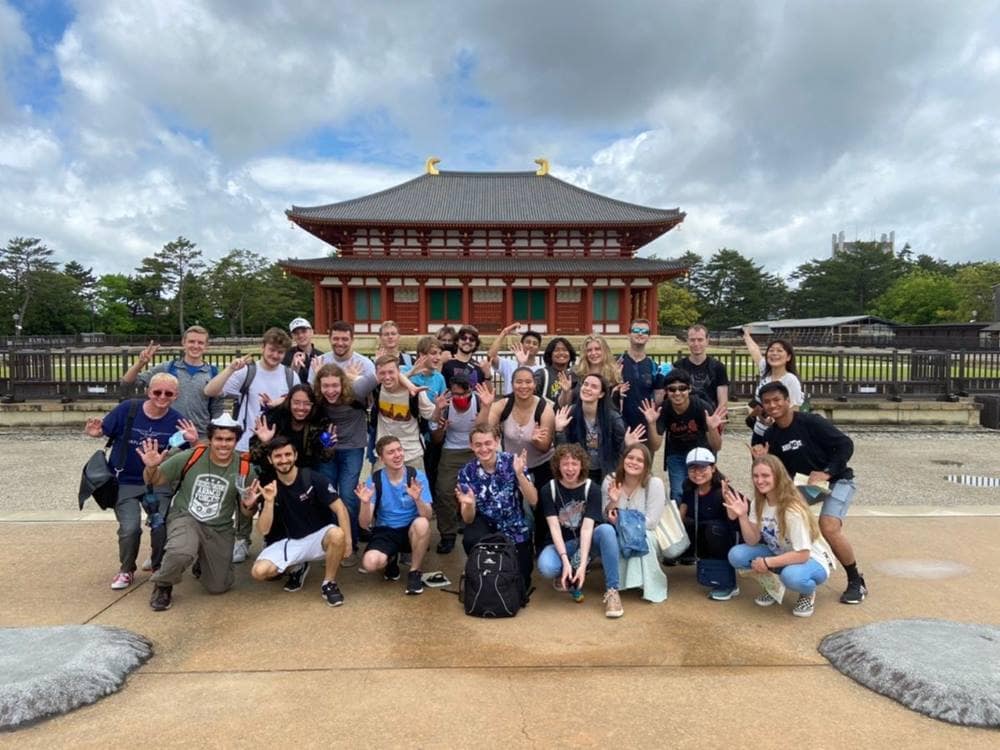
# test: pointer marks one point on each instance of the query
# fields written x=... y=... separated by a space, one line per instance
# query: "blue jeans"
x=604 y=545
x=676 y=467
x=344 y=472
x=802 y=578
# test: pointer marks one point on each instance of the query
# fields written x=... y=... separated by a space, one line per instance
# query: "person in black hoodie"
x=809 y=445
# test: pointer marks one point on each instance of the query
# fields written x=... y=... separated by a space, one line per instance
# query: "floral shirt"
x=498 y=496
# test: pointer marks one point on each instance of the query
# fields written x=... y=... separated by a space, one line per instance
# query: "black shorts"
x=389 y=541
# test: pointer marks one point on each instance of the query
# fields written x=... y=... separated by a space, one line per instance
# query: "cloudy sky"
x=773 y=125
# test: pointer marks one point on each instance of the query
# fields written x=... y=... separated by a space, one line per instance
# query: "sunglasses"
x=466 y=337
x=677 y=389
x=641 y=331
x=159 y=393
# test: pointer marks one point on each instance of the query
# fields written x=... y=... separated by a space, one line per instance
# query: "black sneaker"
x=446 y=545
x=331 y=592
x=414 y=582
x=297 y=577
x=160 y=599
x=391 y=572
x=856 y=591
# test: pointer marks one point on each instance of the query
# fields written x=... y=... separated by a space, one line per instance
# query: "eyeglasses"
x=158 y=393
x=641 y=331
x=466 y=337
x=677 y=389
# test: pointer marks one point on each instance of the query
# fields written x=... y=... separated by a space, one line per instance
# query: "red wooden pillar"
x=320 y=315
x=466 y=303
x=550 y=318
x=508 y=301
x=349 y=292
x=654 y=309
x=588 y=308
x=626 y=309
x=422 y=305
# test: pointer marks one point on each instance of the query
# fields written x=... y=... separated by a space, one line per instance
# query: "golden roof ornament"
x=431 y=165
x=543 y=166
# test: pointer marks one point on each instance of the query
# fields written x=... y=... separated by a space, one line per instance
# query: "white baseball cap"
x=299 y=323
x=700 y=457
x=226 y=421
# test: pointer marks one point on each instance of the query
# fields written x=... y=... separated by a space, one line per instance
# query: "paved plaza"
x=259 y=666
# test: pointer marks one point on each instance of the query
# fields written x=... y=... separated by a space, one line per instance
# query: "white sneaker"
x=147 y=564
x=241 y=548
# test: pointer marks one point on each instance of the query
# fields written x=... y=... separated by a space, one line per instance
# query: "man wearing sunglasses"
x=467 y=342
x=687 y=422
x=645 y=383
x=128 y=425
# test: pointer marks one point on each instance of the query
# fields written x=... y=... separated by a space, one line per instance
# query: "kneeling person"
x=313 y=517
x=396 y=497
x=200 y=525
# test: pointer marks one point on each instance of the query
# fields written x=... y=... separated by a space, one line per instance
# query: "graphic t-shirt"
x=395 y=418
x=209 y=493
x=683 y=431
x=143 y=428
x=453 y=365
x=571 y=507
x=796 y=535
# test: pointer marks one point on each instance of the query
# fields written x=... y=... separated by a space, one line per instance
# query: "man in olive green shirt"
x=200 y=525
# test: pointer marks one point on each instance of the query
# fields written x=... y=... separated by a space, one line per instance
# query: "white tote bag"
x=671 y=535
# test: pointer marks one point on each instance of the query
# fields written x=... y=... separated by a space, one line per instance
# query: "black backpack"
x=492 y=585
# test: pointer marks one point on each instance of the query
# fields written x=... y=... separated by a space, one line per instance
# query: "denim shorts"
x=839 y=499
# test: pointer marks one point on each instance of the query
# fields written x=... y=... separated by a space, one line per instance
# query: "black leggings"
x=480 y=528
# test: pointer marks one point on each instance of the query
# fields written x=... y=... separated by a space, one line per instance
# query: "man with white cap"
x=302 y=336
x=209 y=482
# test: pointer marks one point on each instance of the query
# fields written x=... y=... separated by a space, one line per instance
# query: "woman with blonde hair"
x=781 y=535
x=596 y=359
x=632 y=486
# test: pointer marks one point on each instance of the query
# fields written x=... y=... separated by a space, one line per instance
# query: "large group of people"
x=351 y=461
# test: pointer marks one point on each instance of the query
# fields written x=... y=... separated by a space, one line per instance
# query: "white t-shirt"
x=796 y=536
x=506 y=366
x=272 y=382
x=788 y=380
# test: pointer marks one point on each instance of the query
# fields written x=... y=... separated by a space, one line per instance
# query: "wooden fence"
x=847 y=374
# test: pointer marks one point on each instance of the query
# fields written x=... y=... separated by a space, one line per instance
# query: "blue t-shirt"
x=143 y=428
x=433 y=382
x=396 y=509
x=644 y=377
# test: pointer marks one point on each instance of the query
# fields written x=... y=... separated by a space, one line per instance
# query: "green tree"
x=62 y=309
x=284 y=297
x=974 y=283
x=734 y=290
x=235 y=279
x=116 y=307
x=918 y=298
x=846 y=284
x=21 y=263
x=678 y=307
x=178 y=261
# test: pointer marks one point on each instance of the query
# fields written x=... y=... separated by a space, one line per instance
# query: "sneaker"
x=391 y=572
x=121 y=581
x=805 y=605
x=160 y=599
x=241 y=548
x=557 y=585
x=414 y=582
x=612 y=604
x=147 y=564
x=724 y=595
x=446 y=545
x=576 y=595
x=331 y=592
x=764 y=599
x=350 y=561
x=297 y=578
x=855 y=593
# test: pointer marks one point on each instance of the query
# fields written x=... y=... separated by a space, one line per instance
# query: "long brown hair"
x=333 y=371
x=786 y=497
x=647 y=460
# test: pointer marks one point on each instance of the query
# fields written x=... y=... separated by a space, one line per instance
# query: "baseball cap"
x=226 y=421
x=700 y=457
x=299 y=323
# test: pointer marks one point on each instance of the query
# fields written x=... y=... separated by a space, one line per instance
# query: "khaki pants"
x=445 y=502
x=188 y=540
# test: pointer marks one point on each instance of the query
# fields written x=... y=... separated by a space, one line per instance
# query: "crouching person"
x=200 y=522
x=396 y=505
x=315 y=524
x=781 y=534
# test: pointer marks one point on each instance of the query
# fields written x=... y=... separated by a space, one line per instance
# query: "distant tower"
x=886 y=243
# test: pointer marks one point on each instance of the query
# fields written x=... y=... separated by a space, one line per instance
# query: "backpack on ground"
x=492 y=585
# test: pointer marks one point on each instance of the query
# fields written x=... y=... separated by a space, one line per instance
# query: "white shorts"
x=288 y=553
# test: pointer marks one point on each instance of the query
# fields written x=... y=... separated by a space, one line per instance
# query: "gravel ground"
x=893 y=466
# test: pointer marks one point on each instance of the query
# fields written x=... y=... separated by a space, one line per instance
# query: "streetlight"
x=11 y=398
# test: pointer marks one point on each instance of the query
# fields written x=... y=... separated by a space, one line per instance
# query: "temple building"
x=485 y=248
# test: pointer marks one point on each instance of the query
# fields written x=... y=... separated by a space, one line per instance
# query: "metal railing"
x=843 y=373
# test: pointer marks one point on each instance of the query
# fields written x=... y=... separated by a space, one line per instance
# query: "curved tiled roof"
x=485 y=266
x=491 y=198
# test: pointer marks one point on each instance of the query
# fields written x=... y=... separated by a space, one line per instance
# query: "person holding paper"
x=809 y=445
x=782 y=537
